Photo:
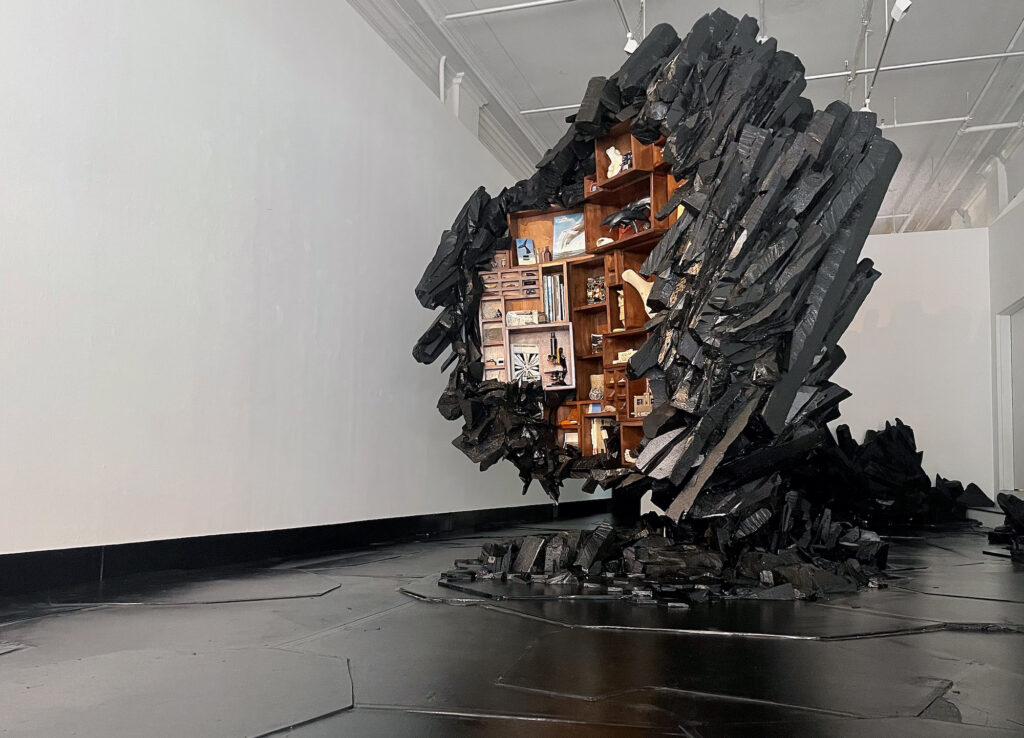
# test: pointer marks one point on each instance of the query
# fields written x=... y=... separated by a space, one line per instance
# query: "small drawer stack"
x=616 y=391
x=516 y=282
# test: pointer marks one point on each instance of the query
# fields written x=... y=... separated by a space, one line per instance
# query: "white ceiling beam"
x=993 y=127
x=552 y=109
x=504 y=9
x=933 y=122
x=919 y=65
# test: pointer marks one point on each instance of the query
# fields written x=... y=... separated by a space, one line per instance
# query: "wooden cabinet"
x=585 y=309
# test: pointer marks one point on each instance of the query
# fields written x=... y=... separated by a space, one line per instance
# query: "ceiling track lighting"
x=631 y=41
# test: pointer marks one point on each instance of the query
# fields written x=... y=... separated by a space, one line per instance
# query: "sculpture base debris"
x=1011 y=533
x=806 y=531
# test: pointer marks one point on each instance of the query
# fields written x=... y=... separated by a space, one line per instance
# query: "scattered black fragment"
x=528 y=551
x=1012 y=531
x=592 y=544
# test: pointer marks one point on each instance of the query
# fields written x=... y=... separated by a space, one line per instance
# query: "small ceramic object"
x=614 y=161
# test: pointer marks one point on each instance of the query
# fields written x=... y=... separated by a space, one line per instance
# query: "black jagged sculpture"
x=754 y=283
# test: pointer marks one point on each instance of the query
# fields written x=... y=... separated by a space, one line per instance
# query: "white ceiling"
x=541 y=57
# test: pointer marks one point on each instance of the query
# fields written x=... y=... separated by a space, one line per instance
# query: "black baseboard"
x=38 y=571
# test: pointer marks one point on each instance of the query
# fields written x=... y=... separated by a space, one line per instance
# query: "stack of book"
x=554 y=297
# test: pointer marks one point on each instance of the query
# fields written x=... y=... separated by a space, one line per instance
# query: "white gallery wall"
x=1006 y=244
x=212 y=218
x=920 y=349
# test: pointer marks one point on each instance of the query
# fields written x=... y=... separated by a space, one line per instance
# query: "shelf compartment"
x=538 y=327
x=628 y=333
x=538 y=226
x=564 y=338
x=635 y=240
x=623 y=140
x=631 y=435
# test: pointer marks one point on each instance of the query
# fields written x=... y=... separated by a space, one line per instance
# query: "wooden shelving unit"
x=594 y=331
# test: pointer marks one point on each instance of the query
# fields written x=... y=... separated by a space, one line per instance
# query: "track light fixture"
x=899 y=9
x=631 y=43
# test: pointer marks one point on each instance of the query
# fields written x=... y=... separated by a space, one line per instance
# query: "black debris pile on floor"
x=807 y=530
x=881 y=483
x=807 y=527
x=1011 y=532
x=655 y=563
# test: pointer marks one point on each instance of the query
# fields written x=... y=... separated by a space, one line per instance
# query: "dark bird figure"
x=638 y=211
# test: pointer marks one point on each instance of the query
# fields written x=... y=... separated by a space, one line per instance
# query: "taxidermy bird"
x=641 y=285
x=633 y=214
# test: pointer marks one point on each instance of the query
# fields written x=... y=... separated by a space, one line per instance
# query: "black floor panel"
x=367 y=643
x=742 y=617
x=198 y=588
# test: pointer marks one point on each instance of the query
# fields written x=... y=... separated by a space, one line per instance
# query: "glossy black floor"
x=366 y=643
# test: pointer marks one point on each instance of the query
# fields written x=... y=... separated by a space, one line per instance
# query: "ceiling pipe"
x=505 y=9
x=833 y=75
x=919 y=65
x=552 y=109
x=993 y=127
x=966 y=129
x=934 y=122
x=937 y=170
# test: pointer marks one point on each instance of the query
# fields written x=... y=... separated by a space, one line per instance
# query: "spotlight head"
x=631 y=43
x=899 y=9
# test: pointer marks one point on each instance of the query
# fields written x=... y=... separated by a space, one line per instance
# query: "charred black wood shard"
x=591 y=545
x=1012 y=530
x=754 y=284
